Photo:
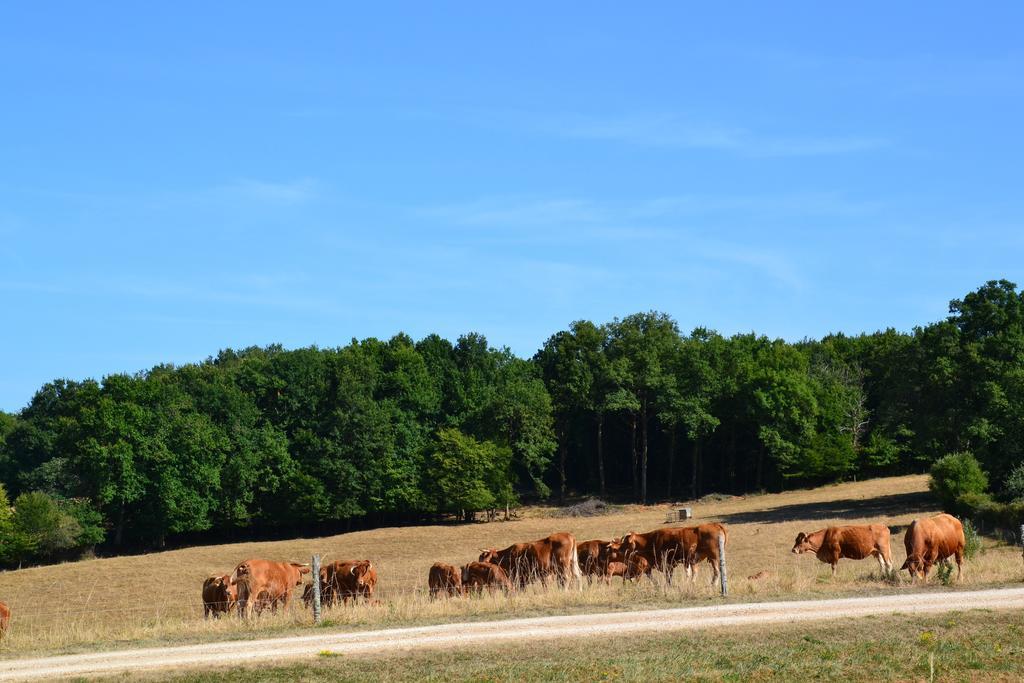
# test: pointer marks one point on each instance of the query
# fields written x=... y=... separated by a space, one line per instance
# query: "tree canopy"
x=398 y=429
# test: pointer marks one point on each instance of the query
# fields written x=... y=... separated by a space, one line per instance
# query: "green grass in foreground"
x=976 y=645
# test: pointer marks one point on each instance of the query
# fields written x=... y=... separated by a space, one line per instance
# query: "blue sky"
x=175 y=180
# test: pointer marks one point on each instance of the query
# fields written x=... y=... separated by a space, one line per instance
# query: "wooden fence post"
x=721 y=565
x=316 y=589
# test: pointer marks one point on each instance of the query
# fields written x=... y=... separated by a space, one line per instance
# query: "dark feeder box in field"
x=680 y=515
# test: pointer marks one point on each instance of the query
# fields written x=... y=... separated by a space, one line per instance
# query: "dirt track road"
x=481 y=633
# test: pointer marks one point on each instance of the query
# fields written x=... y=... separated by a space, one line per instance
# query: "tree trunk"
x=760 y=468
x=694 y=475
x=671 y=461
x=561 y=468
x=600 y=452
x=632 y=453
x=119 y=529
x=732 y=463
x=643 y=453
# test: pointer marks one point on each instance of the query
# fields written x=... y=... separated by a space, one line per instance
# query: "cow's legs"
x=959 y=566
x=834 y=566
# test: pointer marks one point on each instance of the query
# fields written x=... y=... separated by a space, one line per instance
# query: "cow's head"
x=802 y=544
x=241 y=572
x=488 y=555
x=611 y=551
x=361 y=570
x=302 y=569
x=916 y=565
x=630 y=541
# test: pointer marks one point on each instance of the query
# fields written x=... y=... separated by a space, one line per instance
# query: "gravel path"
x=482 y=633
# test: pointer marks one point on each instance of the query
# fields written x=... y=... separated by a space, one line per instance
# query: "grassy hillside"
x=155 y=598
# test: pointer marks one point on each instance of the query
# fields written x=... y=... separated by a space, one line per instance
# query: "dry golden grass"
x=155 y=598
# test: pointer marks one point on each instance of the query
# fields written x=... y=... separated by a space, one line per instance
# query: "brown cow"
x=590 y=556
x=325 y=593
x=669 y=546
x=5 y=618
x=478 y=575
x=706 y=548
x=350 y=579
x=262 y=582
x=854 y=542
x=932 y=540
x=444 y=578
x=555 y=555
x=219 y=596
x=662 y=548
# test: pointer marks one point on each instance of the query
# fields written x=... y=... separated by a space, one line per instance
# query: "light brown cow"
x=5 y=618
x=219 y=595
x=831 y=544
x=552 y=556
x=932 y=540
x=444 y=578
x=350 y=579
x=634 y=569
x=479 y=575
x=263 y=583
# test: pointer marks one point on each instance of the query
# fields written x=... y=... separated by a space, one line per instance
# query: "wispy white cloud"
x=671 y=230
x=648 y=217
x=774 y=264
x=517 y=212
x=271 y=192
x=670 y=131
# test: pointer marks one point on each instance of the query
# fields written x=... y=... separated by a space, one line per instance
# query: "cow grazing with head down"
x=932 y=540
x=263 y=583
x=476 y=576
x=444 y=579
x=219 y=595
x=552 y=556
x=668 y=547
x=831 y=544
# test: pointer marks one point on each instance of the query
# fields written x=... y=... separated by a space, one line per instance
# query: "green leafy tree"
x=465 y=475
x=38 y=519
x=956 y=475
x=640 y=350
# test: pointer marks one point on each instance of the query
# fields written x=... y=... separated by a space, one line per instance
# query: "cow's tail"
x=576 y=565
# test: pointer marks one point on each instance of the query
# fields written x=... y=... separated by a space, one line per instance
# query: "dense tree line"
x=402 y=430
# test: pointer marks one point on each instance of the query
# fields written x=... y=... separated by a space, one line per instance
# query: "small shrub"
x=955 y=475
x=972 y=541
x=1013 y=486
x=944 y=571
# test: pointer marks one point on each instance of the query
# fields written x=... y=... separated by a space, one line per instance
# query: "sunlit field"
x=153 y=599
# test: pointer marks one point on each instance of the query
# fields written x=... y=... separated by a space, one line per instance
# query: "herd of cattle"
x=256 y=585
